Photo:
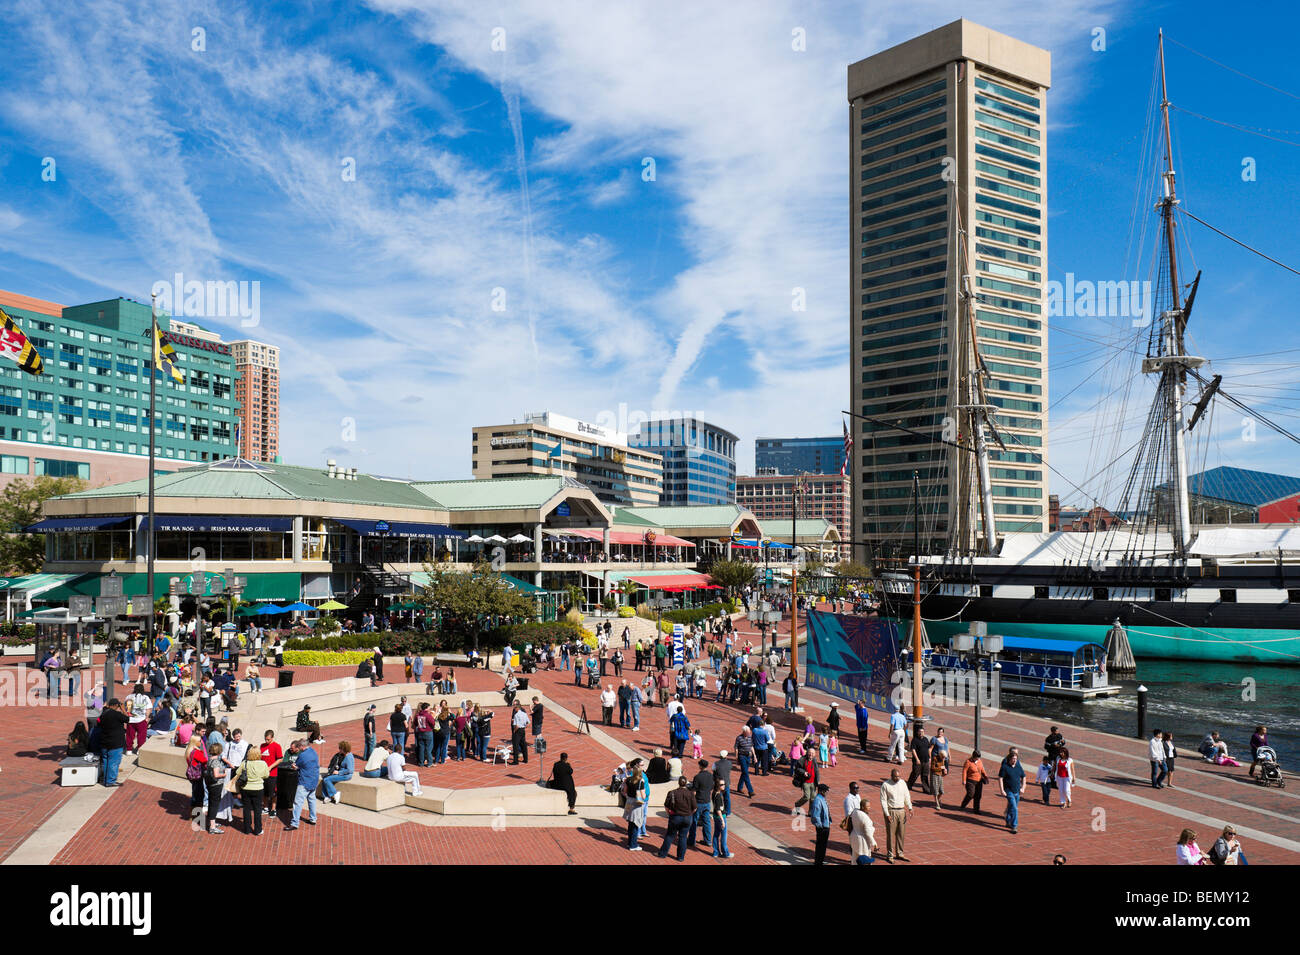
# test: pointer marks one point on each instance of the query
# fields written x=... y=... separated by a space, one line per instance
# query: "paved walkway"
x=1116 y=818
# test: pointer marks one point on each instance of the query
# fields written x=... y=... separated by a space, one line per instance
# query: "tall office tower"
x=799 y=455
x=258 y=391
x=949 y=250
x=699 y=460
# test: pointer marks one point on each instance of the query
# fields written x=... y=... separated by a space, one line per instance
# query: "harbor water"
x=1189 y=699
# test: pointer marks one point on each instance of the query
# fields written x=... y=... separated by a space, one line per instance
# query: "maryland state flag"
x=164 y=356
x=14 y=344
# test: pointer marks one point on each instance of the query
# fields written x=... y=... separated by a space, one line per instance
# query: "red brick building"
x=768 y=497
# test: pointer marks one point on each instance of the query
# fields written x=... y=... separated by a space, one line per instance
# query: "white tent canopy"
x=1245 y=541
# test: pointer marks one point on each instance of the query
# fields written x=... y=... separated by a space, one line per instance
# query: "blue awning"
x=401 y=529
x=269 y=525
x=54 y=524
x=777 y=545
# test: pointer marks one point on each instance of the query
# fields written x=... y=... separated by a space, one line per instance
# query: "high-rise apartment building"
x=548 y=443
x=948 y=183
x=771 y=496
x=258 y=392
x=699 y=460
x=87 y=416
x=799 y=455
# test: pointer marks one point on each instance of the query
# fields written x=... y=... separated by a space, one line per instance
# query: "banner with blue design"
x=852 y=657
x=679 y=644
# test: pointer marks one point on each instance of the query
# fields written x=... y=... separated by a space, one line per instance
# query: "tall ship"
x=1175 y=588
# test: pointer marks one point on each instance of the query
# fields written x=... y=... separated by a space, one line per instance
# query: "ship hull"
x=1193 y=627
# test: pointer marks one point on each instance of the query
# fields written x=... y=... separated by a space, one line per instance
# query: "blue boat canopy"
x=401 y=529
x=1058 y=646
x=54 y=524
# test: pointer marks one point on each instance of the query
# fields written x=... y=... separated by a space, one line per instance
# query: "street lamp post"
x=980 y=647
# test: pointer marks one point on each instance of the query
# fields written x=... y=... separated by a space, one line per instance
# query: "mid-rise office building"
x=948 y=178
x=770 y=497
x=799 y=455
x=548 y=443
x=257 y=391
x=87 y=415
x=699 y=460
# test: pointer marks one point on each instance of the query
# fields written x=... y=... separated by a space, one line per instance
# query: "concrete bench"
x=530 y=800
x=373 y=794
x=161 y=756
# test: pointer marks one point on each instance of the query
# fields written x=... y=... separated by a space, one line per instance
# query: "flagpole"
x=149 y=553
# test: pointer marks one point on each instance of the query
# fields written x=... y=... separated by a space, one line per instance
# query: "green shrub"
x=626 y=612
x=317 y=658
x=552 y=631
x=694 y=614
x=326 y=624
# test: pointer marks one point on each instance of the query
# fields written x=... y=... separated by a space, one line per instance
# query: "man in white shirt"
x=607 y=700
x=235 y=750
x=398 y=773
x=519 y=720
x=853 y=801
x=1156 y=753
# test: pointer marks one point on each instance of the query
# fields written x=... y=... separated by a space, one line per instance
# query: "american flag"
x=848 y=445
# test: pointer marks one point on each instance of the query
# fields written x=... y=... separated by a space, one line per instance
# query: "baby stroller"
x=1269 y=773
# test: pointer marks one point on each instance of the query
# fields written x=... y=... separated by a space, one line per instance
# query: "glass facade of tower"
x=699 y=460
x=94 y=393
x=799 y=455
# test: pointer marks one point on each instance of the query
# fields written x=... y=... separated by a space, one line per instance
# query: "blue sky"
x=518 y=177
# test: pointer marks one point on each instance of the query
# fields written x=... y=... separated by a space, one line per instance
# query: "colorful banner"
x=679 y=644
x=852 y=657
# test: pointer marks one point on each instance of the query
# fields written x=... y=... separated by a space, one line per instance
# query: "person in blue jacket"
x=820 y=817
x=308 y=764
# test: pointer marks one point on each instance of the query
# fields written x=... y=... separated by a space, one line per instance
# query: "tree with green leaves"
x=20 y=507
x=472 y=602
x=851 y=568
x=732 y=575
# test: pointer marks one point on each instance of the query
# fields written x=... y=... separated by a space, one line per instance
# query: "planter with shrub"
x=324 y=658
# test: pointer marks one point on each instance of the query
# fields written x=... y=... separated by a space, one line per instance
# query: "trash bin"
x=286 y=678
x=286 y=787
x=523 y=682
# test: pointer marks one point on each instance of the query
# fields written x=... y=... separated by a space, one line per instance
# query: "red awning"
x=673 y=581
x=629 y=537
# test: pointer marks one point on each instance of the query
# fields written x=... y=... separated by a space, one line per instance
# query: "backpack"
x=798 y=776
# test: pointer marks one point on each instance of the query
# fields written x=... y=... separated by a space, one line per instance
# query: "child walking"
x=697 y=745
x=834 y=747
x=824 y=750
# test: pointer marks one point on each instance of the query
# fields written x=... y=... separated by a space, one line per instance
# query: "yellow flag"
x=164 y=356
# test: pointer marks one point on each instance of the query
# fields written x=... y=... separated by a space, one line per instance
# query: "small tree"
x=473 y=602
x=852 y=570
x=20 y=507
x=732 y=575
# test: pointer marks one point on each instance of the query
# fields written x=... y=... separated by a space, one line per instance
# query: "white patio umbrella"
x=496 y=539
x=521 y=539
x=474 y=539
